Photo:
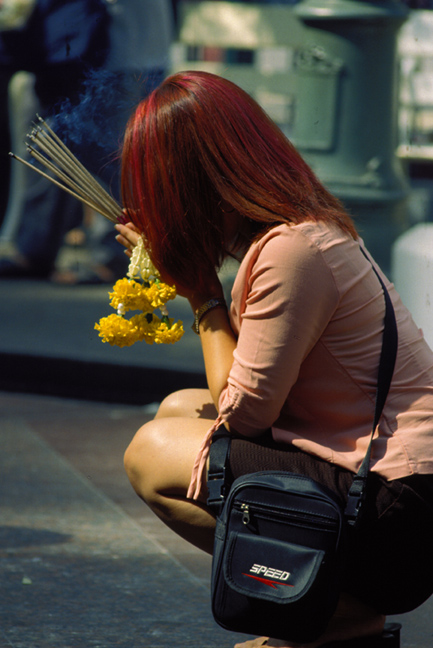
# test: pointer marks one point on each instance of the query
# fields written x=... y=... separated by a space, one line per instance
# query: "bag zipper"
x=265 y=512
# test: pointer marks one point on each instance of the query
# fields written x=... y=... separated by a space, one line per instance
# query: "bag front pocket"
x=270 y=569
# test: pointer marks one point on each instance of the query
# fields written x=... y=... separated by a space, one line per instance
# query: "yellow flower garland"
x=145 y=296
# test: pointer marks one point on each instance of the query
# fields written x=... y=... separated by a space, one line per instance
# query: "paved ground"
x=83 y=563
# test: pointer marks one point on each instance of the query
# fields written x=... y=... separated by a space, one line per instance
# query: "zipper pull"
x=246 y=514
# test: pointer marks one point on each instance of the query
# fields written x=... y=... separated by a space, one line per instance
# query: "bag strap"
x=218 y=483
x=388 y=356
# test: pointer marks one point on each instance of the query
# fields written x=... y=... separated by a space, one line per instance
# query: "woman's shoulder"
x=315 y=240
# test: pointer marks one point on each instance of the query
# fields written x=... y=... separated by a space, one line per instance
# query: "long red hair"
x=196 y=144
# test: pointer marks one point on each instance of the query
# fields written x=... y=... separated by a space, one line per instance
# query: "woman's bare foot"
x=351 y=619
x=253 y=643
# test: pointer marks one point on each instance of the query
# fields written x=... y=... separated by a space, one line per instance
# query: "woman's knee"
x=142 y=457
x=187 y=403
x=160 y=458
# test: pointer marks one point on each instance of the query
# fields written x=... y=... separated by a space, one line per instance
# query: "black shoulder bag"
x=280 y=537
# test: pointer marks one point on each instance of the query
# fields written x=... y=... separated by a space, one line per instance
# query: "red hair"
x=199 y=142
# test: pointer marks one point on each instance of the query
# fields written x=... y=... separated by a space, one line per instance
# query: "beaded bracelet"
x=205 y=308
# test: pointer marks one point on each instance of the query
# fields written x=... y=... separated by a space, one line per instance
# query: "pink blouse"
x=308 y=310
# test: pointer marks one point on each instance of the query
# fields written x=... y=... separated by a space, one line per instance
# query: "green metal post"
x=346 y=118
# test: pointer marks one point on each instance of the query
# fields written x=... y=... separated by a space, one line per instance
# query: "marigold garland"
x=145 y=295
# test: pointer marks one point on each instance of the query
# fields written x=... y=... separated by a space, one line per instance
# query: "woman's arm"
x=283 y=299
x=217 y=341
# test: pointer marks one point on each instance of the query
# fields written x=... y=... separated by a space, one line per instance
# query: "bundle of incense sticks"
x=48 y=149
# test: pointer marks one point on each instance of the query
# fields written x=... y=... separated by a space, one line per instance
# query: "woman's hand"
x=128 y=236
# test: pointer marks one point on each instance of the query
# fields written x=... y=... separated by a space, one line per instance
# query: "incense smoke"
x=93 y=126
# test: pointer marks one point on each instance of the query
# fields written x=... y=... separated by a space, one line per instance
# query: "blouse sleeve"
x=285 y=297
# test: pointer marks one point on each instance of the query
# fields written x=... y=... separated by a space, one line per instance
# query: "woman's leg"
x=159 y=462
